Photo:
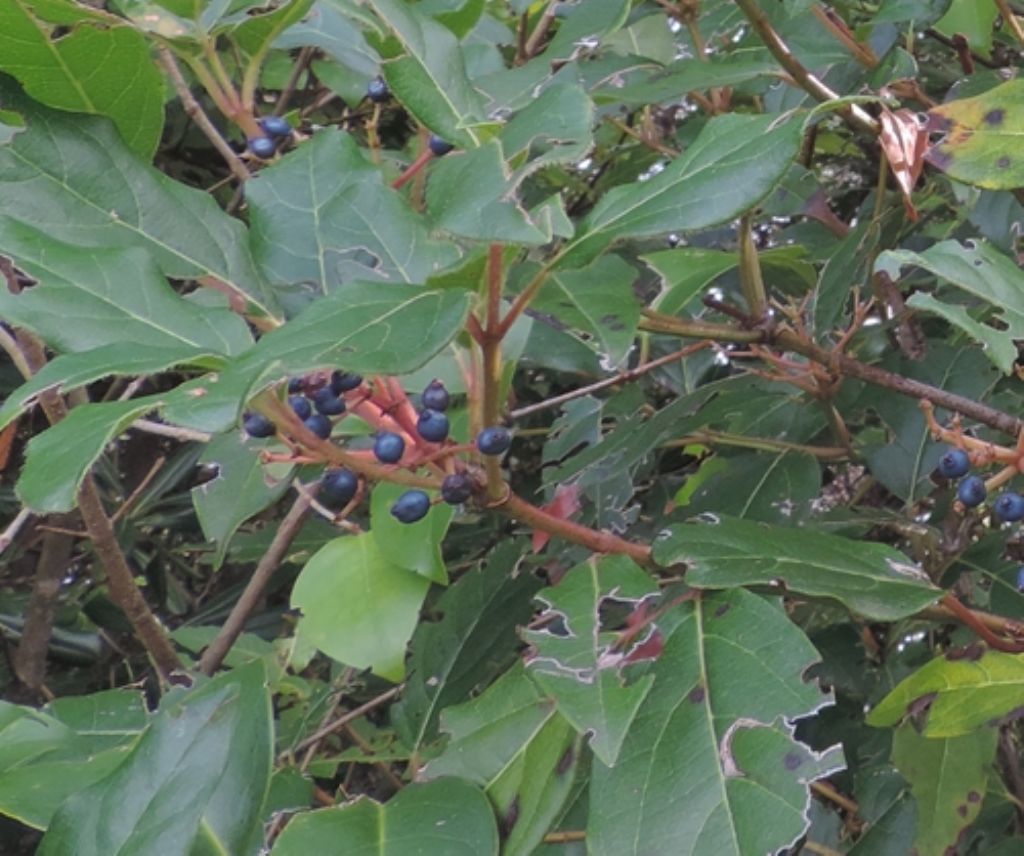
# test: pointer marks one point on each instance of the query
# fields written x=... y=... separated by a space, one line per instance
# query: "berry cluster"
x=404 y=437
x=276 y=130
x=972 y=491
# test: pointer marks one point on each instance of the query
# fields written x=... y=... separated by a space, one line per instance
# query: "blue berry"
x=262 y=147
x=439 y=147
x=954 y=464
x=296 y=384
x=1020 y=580
x=389 y=447
x=327 y=403
x=1009 y=506
x=494 y=440
x=456 y=488
x=344 y=382
x=276 y=126
x=300 y=406
x=319 y=425
x=411 y=506
x=378 y=91
x=432 y=426
x=435 y=396
x=257 y=425
x=972 y=491
x=337 y=488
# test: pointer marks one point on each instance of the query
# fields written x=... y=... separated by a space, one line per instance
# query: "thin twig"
x=1010 y=20
x=305 y=55
x=172 y=431
x=10 y=346
x=195 y=112
x=540 y=31
x=139 y=488
x=621 y=377
x=341 y=721
x=287 y=530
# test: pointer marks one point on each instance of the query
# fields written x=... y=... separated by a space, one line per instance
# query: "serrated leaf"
x=948 y=779
x=113 y=295
x=981 y=145
x=240 y=489
x=413 y=546
x=322 y=217
x=734 y=163
x=216 y=737
x=447 y=816
x=70 y=371
x=871 y=579
x=579 y=663
x=367 y=327
x=473 y=639
x=472 y=194
x=91 y=69
x=584 y=26
x=553 y=128
x=73 y=178
x=980 y=270
x=710 y=767
x=57 y=460
x=599 y=301
x=960 y=695
x=430 y=77
x=692 y=74
x=686 y=272
x=358 y=607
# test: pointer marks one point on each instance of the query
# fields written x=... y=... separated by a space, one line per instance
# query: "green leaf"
x=447 y=816
x=322 y=217
x=597 y=300
x=367 y=327
x=778 y=489
x=691 y=74
x=113 y=295
x=710 y=767
x=242 y=488
x=91 y=69
x=57 y=460
x=960 y=695
x=948 y=779
x=511 y=742
x=357 y=606
x=686 y=272
x=734 y=163
x=554 y=128
x=429 y=78
x=980 y=270
x=73 y=178
x=325 y=27
x=474 y=638
x=580 y=665
x=70 y=371
x=871 y=579
x=471 y=194
x=585 y=25
x=982 y=138
x=200 y=768
x=416 y=546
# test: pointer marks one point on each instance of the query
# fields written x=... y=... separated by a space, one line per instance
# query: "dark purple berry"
x=389 y=447
x=432 y=426
x=257 y=425
x=435 y=396
x=1020 y=580
x=1009 y=506
x=411 y=506
x=327 y=403
x=337 y=488
x=276 y=126
x=494 y=440
x=296 y=384
x=319 y=425
x=344 y=382
x=456 y=488
x=972 y=491
x=301 y=406
x=439 y=147
x=378 y=91
x=954 y=464
x=262 y=147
